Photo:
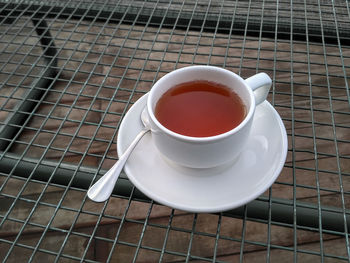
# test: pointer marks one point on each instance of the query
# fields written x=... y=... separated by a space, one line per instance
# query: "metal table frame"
x=265 y=209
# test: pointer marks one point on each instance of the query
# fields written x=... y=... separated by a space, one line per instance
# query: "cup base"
x=196 y=170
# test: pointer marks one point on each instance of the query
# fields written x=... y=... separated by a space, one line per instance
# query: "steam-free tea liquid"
x=200 y=109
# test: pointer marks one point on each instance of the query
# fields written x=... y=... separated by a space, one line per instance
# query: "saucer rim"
x=227 y=205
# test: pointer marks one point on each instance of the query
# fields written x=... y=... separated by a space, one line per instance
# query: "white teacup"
x=205 y=152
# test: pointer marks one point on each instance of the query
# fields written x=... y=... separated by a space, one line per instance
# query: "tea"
x=200 y=109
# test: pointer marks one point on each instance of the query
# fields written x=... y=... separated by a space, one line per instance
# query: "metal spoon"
x=103 y=188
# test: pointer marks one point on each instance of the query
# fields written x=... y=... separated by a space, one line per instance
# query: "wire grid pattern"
x=103 y=64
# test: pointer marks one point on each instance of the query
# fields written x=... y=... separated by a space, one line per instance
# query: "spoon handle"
x=103 y=188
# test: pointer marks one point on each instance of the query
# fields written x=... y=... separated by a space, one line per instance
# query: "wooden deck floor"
x=78 y=119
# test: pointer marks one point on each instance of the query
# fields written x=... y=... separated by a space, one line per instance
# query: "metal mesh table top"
x=70 y=71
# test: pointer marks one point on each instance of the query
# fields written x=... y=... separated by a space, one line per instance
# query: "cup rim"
x=193 y=139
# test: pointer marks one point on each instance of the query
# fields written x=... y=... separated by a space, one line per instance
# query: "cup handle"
x=260 y=84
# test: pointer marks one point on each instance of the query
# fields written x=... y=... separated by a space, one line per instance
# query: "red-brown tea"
x=200 y=109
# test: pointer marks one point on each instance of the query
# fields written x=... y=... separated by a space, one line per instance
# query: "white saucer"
x=206 y=190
